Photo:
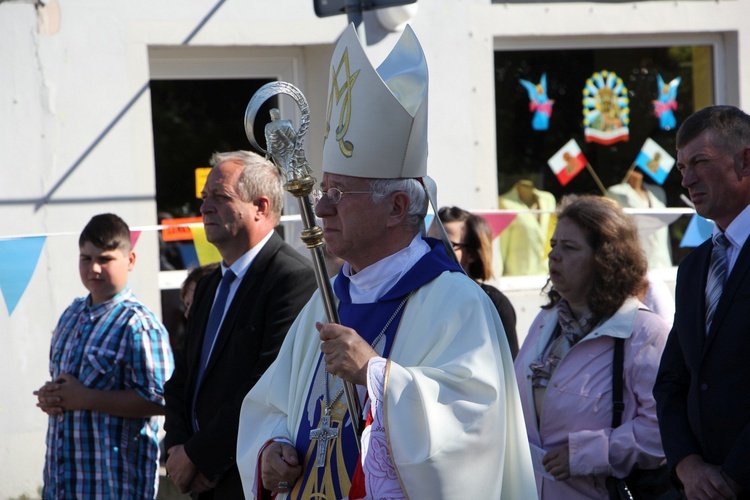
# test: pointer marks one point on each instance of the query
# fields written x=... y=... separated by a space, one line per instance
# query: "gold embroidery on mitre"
x=345 y=113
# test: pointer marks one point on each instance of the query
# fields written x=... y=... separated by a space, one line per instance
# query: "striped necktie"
x=717 y=275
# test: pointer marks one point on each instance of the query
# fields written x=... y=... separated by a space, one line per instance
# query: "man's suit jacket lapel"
x=691 y=313
x=249 y=287
x=735 y=279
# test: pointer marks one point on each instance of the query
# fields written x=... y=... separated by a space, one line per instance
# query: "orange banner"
x=178 y=233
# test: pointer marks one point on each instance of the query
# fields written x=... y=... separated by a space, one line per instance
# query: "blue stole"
x=333 y=480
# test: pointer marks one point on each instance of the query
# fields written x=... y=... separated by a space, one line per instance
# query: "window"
x=523 y=152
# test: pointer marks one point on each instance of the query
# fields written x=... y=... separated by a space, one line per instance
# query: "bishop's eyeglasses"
x=333 y=194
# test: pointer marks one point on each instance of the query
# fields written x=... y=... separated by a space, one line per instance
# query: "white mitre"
x=376 y=124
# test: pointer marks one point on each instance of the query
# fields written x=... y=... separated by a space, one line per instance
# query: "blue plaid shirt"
x=115 y=345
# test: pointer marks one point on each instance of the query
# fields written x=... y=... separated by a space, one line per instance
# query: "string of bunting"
x=19 y=253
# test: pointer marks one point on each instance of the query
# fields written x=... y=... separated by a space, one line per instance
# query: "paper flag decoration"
x=606 y=114
x=207 y=252
x=666 y=104
x=134 y=235
x=654 y=161
x=698 y=231
x=18 y=259
x=648 y=223
x=498 y=222
x=568 y=162
x=539 y=103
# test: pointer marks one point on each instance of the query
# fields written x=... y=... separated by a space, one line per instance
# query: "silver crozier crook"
x=286 y=151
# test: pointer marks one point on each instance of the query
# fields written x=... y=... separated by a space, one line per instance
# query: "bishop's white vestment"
x=451 y=409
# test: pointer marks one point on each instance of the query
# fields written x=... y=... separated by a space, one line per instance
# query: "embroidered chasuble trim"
x=333 y=478
x=323 y=486
x=385 y=421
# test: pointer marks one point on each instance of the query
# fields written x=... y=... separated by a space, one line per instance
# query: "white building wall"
x=76 y=140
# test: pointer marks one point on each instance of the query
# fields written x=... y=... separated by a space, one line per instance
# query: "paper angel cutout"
x=539 y=103
x=666 y=104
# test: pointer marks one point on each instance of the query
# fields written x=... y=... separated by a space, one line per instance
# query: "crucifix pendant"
x=322 y=435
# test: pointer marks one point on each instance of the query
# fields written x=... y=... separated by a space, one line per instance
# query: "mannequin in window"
x=634 y=193
x=525 y=242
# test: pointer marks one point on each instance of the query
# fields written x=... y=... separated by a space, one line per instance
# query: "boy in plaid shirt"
x=109 y=359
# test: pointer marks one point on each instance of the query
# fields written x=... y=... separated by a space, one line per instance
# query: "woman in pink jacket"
x=564 y=368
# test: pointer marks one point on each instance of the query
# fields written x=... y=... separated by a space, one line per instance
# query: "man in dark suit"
x=703 y=386
x=234 y=328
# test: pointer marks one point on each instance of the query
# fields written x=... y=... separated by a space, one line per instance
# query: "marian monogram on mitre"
x=341 y=93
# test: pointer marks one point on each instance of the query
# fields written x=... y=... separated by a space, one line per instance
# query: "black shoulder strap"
x=618 y=405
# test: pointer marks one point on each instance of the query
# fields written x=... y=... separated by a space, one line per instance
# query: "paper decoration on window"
x=18 y=260
x=654 y=161
x=539 y=103
x=666 y=103
x=606 y=114
x=568 y=162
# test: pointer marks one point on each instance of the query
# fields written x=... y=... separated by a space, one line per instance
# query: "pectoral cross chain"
x=322 y=435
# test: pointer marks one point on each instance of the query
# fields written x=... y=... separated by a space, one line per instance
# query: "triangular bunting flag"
x=207 y=252
x=498 y=222
x=134 y=235
x=648 y=223
x=698 y=231
x=18 y=259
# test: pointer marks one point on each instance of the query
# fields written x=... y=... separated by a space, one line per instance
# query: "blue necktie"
x=717 y=275
x=214 y=322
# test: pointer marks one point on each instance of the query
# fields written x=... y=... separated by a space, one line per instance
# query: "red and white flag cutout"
x=568 y=162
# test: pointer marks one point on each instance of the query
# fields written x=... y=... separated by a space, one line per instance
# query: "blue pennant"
x=18 y=259
x=698 y=231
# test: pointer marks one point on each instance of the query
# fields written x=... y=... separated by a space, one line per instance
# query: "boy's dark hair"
x=106 y=231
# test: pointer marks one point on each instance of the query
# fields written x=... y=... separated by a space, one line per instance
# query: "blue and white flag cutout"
x=18 y=259
x=654 y=161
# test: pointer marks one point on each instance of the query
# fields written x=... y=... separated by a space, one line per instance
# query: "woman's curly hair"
x=620 y=264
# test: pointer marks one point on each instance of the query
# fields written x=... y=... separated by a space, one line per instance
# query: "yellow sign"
x=200 y=179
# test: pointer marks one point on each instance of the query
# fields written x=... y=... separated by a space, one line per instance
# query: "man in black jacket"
x=238 y=320
x=701 y=390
